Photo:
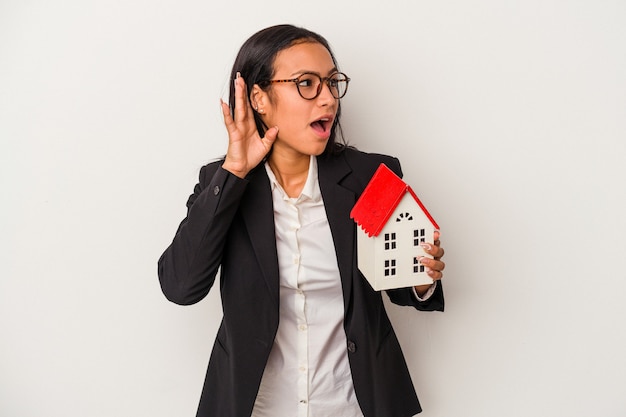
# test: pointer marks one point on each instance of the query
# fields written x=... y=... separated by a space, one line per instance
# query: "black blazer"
x=229 y=225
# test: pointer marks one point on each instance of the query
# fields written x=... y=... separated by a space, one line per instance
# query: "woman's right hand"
x=246 y=149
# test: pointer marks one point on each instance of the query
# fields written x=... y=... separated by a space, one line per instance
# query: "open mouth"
x=322 y=125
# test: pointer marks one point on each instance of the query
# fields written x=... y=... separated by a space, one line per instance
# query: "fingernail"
x=426 y=246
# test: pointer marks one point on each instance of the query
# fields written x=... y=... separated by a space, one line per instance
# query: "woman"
x=303 y=333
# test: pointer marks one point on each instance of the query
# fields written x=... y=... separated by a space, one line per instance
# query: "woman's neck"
x=290 y=172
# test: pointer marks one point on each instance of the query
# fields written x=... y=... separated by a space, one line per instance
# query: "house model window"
x=419 y=236
x=390 y=241
x=402 y=216
x=390 y=267
x=388 y=251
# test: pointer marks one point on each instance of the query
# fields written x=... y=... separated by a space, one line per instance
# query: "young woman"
x=303 y=333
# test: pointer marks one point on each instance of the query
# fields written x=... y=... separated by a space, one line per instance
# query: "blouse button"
x=351 y=346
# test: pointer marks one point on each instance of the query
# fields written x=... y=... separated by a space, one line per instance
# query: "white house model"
x=393 y=223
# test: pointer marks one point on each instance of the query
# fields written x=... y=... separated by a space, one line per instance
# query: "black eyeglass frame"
x=323 y=80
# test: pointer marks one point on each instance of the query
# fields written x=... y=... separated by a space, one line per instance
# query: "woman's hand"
x=246 y=149
x=434 y=267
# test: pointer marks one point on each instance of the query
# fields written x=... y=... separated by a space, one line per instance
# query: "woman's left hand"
x=434 y=267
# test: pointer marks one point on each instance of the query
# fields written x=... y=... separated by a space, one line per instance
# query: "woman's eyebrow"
x=300 y=72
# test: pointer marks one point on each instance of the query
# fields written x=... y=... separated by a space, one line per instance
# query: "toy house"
x=393 y=223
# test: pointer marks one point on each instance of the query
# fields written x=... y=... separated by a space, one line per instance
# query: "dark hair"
x=255 y=63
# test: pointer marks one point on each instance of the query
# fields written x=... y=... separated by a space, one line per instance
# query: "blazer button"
x=351 y=346
x=216 y=190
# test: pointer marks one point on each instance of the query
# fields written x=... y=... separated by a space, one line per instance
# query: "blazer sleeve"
x=405 y=297
x=188 y=267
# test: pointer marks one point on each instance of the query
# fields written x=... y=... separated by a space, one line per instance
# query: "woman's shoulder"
x=368 y=162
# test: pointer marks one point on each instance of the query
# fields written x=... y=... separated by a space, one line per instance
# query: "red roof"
x=380 y=198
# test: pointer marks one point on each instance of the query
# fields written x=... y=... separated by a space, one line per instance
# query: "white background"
x=509 y=117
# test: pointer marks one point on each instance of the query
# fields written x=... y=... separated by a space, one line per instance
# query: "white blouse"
x=307 y=373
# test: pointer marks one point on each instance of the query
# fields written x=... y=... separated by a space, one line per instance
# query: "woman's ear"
x=259 y=99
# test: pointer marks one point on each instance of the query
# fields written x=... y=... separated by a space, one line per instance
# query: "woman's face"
x=304 y=125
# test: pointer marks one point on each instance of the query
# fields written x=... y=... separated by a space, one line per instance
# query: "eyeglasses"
x=310 y=85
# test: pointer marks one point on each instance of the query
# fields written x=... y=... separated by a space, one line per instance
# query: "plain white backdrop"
x=509 y=117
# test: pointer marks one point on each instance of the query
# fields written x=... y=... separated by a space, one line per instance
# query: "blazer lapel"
x=258 y=215
x=338 y=202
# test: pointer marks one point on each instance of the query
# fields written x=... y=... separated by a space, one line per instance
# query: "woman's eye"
x=305 y=82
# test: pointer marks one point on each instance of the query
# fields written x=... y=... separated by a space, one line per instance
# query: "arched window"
x=404 y=216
